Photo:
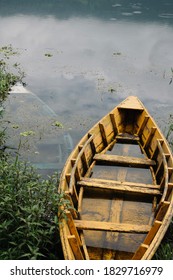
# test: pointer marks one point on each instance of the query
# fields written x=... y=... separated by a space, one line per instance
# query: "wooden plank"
x=90 y=181
x=93 y=148
x=75 y=247
x=166 y=174
x=170 y=171
x=152 y=232
x=140 y=252
x=120 y=186
x=80 y=199
x=159 y=168
x=127 y=139
x=109 y=146
x=124 y=160
x=156 y=149
x=109 y=226
x=84 y=246
x=113 y=121
x=85 y=161
x=72 y=227
x=162 y=210
x=72 y=209
x=131 y=102
x=75 y=172
x=115 y=207
x=103 y=134
x=170 y=189
x=149 y=138
x=143 y=124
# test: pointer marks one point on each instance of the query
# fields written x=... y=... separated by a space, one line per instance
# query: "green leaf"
x=58 y=124
x=48 y=54
x=27 y=133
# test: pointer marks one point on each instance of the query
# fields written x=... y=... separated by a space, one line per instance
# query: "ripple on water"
x=165 y=15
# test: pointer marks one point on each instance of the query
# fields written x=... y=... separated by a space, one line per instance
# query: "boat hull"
x=119 y=184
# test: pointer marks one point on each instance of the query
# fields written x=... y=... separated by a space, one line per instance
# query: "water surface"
x=81 y=58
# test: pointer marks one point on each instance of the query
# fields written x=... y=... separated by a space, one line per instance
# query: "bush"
x=9 y=74
x=28 y=213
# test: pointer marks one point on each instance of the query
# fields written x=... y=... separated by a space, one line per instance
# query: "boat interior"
x=119 y=179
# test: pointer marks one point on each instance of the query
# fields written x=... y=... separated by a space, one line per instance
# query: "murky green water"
x=81 y=58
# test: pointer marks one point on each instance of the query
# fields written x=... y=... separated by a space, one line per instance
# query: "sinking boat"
x=119 y=183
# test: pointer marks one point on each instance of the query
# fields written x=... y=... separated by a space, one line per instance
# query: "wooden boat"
x=119 y=183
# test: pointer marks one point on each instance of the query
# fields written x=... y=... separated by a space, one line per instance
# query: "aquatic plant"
x=169 y=132
x=27 y=133
x=58 y=124
x=117 y=53
x=171 y=79
x=48 y=54
x=9 y=74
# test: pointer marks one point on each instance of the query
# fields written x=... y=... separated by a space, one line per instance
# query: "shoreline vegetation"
x=29 y=203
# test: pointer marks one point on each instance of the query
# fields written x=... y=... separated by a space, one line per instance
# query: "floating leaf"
x=58 y=124
x=27 y=133
x=48 y=54
x=111 y=89
x=117 y=53
x=15 y=126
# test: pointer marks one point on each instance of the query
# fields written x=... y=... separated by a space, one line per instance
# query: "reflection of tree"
x=150 y=10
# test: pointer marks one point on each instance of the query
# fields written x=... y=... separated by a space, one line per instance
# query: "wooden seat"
x=124 y=160
x=127 y=139
x=120 y=186
x=109 y=226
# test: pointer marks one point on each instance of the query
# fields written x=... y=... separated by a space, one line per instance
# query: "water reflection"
x=126 y=56
x=81 y=67
x=142 y=10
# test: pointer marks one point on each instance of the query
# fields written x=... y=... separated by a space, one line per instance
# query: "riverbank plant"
x=28 y=213
x=169 y=133
x=10 y=73
x=28 y=203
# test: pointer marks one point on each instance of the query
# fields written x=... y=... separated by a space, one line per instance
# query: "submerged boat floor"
x=131 y=210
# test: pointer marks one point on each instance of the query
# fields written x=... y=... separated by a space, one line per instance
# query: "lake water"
x=81 y=58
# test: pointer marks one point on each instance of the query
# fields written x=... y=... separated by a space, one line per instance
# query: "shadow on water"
x=81 y=58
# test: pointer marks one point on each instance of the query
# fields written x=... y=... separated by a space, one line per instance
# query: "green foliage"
x=2 y=137
x=9 y=75
x=28 y=213
x=165 y=252
x=27 y=133
x=169 y=132
x=8 y=51
x=48 y=54
x=29 y=205
x=171 y=79
x=57 y=124
x=7 y=80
